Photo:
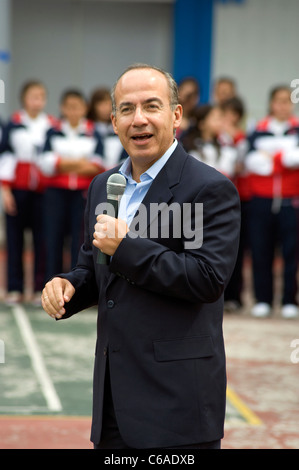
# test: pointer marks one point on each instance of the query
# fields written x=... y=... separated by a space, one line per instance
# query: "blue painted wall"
x=193 y=41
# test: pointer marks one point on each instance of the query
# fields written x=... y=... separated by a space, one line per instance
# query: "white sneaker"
x=290 y=311
x=261 y=310
x=13 y=298
x=36 y=300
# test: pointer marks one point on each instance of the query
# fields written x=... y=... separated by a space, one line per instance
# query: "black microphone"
x=116 y=185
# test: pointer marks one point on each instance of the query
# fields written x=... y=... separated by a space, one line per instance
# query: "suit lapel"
x=159 y=192
x=145 y=216
x=161 y=188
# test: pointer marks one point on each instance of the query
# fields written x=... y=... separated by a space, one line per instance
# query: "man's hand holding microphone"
x=108 y=234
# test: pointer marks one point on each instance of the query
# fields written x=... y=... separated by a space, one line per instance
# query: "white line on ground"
x=37 y=360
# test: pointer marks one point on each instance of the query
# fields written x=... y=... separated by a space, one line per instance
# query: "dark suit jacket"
x=160 y=312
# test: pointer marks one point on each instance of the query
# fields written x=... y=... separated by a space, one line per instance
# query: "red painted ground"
x=44 y=433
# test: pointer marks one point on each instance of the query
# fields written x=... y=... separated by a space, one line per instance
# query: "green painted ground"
x=66 y=351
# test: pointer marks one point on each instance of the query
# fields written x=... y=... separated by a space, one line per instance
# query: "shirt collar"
x=151 y=173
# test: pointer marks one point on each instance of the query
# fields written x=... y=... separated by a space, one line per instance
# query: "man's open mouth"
x=141 y=137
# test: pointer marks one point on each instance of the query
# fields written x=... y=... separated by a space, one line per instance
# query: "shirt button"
x=110 y=304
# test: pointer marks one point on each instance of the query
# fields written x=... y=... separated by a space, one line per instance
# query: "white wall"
x=257 y=44
x=85 y=43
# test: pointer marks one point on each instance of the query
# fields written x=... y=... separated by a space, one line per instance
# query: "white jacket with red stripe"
x=273 y=158
x=23 y=141
x=64 y=142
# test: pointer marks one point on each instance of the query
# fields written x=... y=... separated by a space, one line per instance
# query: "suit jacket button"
x=105 y=351
x=110 y=304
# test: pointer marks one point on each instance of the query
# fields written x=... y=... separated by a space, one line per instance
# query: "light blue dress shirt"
x=135 y=192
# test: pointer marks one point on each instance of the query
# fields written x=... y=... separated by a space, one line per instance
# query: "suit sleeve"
x=196 y=274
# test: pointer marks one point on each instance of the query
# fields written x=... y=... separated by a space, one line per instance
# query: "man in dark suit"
x=159 y=376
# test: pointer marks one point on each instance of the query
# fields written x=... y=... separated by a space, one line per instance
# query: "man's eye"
x=152 y=107
x=126 y=110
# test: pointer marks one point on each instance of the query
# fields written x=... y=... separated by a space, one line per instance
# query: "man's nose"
x=140 y=117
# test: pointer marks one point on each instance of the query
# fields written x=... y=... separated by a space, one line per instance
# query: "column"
x=193 y=28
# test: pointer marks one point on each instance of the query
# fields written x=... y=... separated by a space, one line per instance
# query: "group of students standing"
x=263 y=162
x=47 y=164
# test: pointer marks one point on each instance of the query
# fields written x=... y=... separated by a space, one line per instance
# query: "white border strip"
x=38 y=364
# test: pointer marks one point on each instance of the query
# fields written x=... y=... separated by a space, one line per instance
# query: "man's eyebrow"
x=154 y=98
x=125 y=103
x=149 y=100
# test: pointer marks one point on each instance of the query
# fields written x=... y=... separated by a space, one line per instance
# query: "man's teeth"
x=142 y=137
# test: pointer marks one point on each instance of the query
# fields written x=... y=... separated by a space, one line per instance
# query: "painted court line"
x=36 y=357
x=249 y=416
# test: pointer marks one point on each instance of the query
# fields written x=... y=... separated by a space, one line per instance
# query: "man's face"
x=144 y=119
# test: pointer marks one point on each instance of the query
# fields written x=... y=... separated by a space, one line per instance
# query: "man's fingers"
x=108 y=233
x=100 y=230
x=55 y=294
x=48 y=307
x=69 y=291
x=102 y=218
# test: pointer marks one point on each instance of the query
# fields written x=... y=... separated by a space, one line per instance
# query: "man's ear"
x=113 y=120
x=178 y=114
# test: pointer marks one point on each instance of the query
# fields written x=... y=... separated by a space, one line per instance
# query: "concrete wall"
x=85 y=43
x=256 y=42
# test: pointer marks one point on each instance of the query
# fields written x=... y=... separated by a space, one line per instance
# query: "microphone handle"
x=112 y=210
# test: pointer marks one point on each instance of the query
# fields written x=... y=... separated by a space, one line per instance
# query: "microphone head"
x=116 y=185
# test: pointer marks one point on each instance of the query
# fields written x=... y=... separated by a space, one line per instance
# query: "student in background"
x=22 y=187
x=189 y=96
x=233 y=135
x=72 y=156
x=99 y=112
x=203 y=141
x=1 y=134
x=1 y=146
x=273 y=163
x=224 y=89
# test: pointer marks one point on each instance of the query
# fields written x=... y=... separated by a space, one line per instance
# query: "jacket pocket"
x=186 y=348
